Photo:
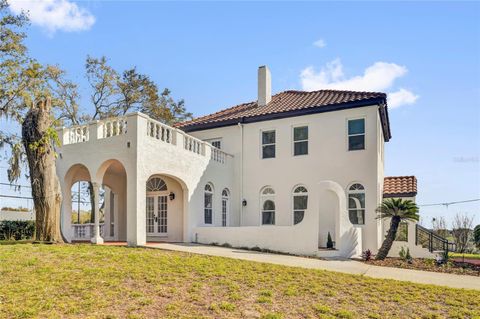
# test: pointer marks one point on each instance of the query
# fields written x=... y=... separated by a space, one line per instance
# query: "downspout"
x=240 y=125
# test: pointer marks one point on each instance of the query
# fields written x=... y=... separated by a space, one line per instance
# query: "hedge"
x=17 y=230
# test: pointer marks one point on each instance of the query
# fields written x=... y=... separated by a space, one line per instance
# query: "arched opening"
x=77 y=209
x=267 y=205
x=112 y=200
x=225 y=207
x=164 y=209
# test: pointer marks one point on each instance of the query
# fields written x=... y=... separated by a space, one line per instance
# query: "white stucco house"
x=278 y=173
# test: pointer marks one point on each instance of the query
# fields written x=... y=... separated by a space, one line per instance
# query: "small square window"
x=356 y=134
x=217 y=144
x=300 y=140
x=268 y=144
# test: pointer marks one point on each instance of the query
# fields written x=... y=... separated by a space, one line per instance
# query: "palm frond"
x=404 y=208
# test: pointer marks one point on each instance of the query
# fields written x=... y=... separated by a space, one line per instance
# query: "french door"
x=157 y=215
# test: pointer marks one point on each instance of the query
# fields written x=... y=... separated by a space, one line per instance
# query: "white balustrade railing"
x=161 y=131
x=114 y=126
x=78 y=134
x=86 y=231
x=118 y=126
x=192 y=144
x=218 y=155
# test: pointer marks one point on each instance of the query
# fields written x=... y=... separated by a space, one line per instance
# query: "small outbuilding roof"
x=399 y=186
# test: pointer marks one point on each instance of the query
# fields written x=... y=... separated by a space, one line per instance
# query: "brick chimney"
x=264 y=86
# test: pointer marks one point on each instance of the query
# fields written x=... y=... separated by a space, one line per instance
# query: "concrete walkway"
x=344 y=266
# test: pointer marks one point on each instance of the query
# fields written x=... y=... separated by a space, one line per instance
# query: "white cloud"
x=380 y=76
x=320 y=43
x=54 y=15
x=401 y=97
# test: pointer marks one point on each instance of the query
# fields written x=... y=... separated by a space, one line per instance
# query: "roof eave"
x=300 y=112
x=396 y=195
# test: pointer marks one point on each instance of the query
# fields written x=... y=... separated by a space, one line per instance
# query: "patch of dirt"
x=452 y=267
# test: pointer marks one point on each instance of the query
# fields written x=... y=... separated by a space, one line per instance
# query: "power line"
x=16 y=185
x=452 y=203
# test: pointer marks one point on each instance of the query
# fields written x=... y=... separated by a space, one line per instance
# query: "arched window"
x=156 y=184
x=356 y=204
x=300 y=202
x=267 y=202
x=208 y=201
x=225 y=206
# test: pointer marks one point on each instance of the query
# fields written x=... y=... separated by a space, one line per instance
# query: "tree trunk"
x=389 y=239
x=43 y=178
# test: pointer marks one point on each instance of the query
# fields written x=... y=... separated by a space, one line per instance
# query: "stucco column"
x=96 y=239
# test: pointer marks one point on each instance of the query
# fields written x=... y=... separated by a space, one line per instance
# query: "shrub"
x=405 y=254
x=367 y=255
x=17 y=230
x=329 y=241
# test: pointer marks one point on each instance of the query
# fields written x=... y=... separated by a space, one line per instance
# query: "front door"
x=157 y=215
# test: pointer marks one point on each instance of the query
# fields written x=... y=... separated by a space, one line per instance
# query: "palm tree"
x=398 y=210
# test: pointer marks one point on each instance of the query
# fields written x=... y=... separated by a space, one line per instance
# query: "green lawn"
x=470 y=256
x=85 y=281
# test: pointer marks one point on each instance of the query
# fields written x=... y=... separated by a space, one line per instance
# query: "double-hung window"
x=300 y=140
x=356 y=134
x=268 y=144
x=217 y=143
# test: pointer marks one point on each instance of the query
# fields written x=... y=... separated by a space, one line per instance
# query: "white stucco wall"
x=328 y=159
x=143 y=156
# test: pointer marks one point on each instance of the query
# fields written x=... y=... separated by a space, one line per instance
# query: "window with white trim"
x=300 y=203
x=356 y=134
x=300 y=140
x=217 y=143
x=356 y=204
x=208 y=205
x=225 y=206
x=267 y=203
x=268 y=144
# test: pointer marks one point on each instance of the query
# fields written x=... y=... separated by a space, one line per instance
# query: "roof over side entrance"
x=293 y=103
x=399 y=186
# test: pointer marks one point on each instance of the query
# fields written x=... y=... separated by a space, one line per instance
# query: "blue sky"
x=426 y=55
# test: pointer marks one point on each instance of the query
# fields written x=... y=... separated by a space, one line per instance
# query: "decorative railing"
x=86 y=231
x=193 y=144
x=161 y=131
x=114 y=126
x=218 y=155
x=111 y=127
x=78 y=134
x=429 y=240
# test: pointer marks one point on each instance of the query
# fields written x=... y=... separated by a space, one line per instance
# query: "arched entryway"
x=76 y=227
x=113 y=200
x=164 y=209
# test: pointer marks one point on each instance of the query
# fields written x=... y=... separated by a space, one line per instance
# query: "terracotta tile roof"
x=286 y=103
x=399 y=186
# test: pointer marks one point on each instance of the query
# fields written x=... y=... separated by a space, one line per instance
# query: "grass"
x=86 y=281
x=469 y=256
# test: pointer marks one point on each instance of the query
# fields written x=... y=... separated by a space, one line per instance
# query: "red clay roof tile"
x=284 y=102
x=399 y=186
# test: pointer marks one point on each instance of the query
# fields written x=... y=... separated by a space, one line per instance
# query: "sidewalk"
x=344 y=266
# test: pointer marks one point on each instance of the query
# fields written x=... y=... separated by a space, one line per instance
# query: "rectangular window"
x=217 y=144
x=356 y=208
x=300 y=140
x=268 y=218
x=208 y=209
x=356 y=134
x=268 y=144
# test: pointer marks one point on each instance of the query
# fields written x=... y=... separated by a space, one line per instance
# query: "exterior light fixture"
x=244 y=202
x=171 y=195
